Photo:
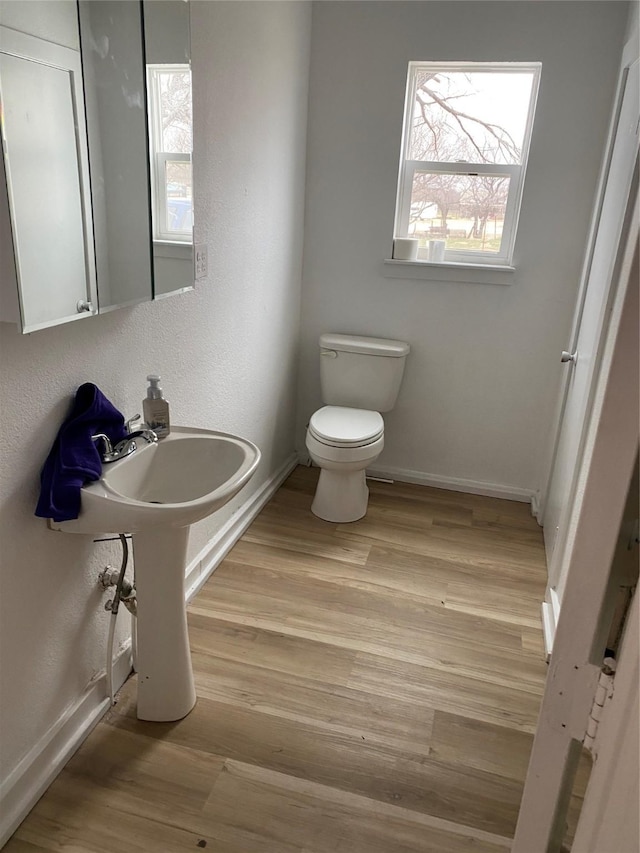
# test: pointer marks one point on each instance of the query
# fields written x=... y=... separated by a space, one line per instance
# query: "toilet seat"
x=340 y=426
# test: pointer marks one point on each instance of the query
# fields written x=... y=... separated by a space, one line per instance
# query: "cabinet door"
x=45 y=150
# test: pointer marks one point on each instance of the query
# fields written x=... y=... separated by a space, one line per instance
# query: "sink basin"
x=176 y=482
x=155 y=494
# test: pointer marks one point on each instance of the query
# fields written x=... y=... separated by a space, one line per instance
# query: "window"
x=169 y=89
x=465 y=142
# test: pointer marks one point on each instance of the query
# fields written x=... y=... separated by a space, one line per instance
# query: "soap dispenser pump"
x=156 y=408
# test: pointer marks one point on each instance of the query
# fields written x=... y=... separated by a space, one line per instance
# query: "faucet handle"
x=108 y=448
x=132 y=421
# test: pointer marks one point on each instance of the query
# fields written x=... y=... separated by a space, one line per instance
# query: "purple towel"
x=74 y=459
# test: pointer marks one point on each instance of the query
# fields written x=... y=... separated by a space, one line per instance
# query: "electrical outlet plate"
x=201 y=260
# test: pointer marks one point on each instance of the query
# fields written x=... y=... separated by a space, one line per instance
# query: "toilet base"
x=341 y=496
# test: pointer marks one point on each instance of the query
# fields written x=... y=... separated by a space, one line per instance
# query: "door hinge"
x=604 y=692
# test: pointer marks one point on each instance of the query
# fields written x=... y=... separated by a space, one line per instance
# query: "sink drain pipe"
x=113 y=606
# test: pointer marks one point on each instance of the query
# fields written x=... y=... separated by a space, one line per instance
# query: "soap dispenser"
x=156 y=408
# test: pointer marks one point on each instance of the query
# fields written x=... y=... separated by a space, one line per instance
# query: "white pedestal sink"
x=155 y=494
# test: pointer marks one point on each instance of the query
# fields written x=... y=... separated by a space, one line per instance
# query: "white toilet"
x=360 y=377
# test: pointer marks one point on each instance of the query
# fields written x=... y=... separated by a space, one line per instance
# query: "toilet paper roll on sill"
x=405 y=248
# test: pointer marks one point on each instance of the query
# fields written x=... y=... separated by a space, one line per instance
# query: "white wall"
x=227 y=353
x=484 y=370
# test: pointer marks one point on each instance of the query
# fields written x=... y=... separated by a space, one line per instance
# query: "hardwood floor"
x=371 y=686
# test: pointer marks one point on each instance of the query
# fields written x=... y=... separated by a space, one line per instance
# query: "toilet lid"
x=341 y=426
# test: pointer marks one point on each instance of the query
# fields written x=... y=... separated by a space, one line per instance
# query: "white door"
x=592 y=313
x=606 y=464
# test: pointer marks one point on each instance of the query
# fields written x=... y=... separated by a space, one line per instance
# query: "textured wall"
x=227 y=352
x=484 y=370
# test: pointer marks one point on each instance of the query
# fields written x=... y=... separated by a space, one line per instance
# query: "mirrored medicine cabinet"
x=96 y=194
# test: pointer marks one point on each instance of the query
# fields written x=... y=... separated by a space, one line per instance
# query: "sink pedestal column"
x=165 y=677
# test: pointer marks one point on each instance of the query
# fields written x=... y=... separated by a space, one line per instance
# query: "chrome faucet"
x=128 y=444
x=107 y=449
x=125 y=447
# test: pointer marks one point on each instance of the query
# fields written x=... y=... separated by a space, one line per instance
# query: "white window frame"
x=159 y=158
x=515 y=172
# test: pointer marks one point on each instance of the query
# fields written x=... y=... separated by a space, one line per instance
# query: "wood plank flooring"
x=371 y=686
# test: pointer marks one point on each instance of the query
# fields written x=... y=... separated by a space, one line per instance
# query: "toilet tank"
x=364 y=373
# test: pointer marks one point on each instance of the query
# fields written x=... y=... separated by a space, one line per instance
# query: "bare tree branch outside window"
x=465 y=118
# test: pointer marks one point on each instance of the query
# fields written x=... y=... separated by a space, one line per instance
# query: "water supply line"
x=110 y=639
x=128 y=599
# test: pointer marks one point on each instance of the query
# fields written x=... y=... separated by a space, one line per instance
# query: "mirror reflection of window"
x=170 y=142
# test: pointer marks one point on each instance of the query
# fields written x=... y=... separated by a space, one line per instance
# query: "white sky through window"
x=497 y=98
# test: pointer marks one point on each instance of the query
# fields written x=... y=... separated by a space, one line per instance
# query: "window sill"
x=170 y=249
x=449 y=271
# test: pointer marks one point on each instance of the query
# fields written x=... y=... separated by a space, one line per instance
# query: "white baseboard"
x=28 y=781
x=550 y=616
x=454 y=484
x=202 y=567
x=548 y=628
x=536 y=508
